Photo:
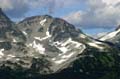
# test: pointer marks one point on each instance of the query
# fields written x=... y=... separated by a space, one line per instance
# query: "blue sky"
x=91 y=16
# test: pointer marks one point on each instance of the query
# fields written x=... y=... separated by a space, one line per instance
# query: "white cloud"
x=111 y=2
x=15 y=8
x=74 y=17
x=99 y=13
x=18 y=8
x=6 y=4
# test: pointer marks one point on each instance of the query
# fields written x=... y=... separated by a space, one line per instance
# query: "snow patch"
x=24 y=33
x=60 y=61
x=10 y=55
x=1 y=41
x=67 y=56
x=1 y=53
x=41 y=39
x=95 y=45
x=38 y=47
x=82 y=36
x=56 y=43
x=14 y=40
x=63 y=45
x=38 y=38
x=66 y=48
x=43 y=22
x=63 y=49
x=110 y=35
x=98 y=42
x=17 y=59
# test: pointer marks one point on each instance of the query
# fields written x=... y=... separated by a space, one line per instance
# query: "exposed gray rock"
x=44 y=45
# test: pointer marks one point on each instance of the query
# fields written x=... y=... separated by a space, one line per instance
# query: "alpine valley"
x=44 y=47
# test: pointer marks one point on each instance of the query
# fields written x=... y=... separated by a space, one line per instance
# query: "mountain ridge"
x=44 y=45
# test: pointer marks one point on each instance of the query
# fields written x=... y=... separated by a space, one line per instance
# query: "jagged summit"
x=8 y=29
x=41 y=26
x=4 y=20
x=3 y=16
x=35 y=17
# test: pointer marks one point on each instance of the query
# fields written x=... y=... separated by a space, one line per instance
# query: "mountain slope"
x=8 y=30
x=47 y=47
x=4 y=19
x=52 y=37
x=113 y=37
x=60 y=41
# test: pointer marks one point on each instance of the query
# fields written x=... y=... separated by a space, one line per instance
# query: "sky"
x=91 y=16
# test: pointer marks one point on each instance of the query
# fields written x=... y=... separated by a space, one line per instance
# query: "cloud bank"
x=18 y=8
x=15 y=8
x=99 y=14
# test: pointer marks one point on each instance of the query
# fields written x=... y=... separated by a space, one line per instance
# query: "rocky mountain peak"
x=118 y=27
x=4 y=20
x=8 y=29
x=41 y=26
x=3 y=16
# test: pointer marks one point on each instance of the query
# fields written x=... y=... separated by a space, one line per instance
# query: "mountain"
x=8 y=29
x=113 y=37
x=4 y=20
x=51 y=48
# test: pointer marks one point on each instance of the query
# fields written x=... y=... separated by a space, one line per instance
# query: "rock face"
x=4 y=20
x=51 y=48
x=8 y=30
